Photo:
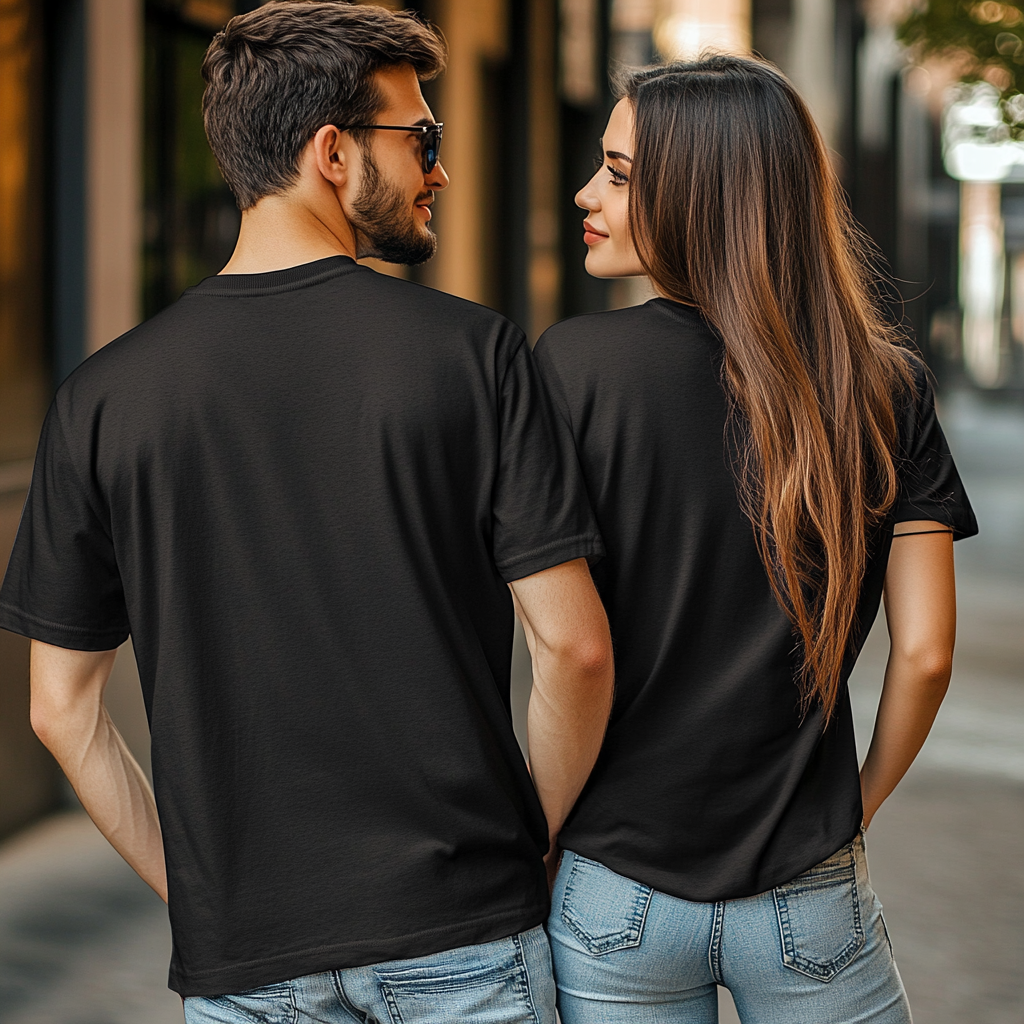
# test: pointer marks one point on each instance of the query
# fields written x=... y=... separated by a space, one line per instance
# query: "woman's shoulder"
x=610 y=327
x=591 y=325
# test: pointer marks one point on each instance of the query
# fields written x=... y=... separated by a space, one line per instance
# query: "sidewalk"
x=82 y=939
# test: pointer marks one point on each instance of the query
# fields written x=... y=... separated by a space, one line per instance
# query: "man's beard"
x=386 y=224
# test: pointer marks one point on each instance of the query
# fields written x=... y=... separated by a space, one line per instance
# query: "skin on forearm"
x=567 y=718
x=69 y=717
x=920 y=609
x=573 y=678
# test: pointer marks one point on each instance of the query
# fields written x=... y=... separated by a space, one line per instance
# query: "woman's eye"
x=618 y=178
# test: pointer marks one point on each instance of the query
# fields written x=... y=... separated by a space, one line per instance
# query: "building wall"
x=28 y=780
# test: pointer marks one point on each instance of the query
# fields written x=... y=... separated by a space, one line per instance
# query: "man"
x=302 y=489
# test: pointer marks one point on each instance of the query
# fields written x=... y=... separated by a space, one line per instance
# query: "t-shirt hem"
x=588 y=546
x=73 y=638
x=249 y=974
x=962 y=525
x=685 y=889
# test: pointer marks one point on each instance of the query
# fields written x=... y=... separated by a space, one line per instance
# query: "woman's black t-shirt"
x=711 y=785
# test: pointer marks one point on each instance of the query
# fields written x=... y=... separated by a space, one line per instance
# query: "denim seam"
x=339 y=990
x=389 y=1000
x=523 y=977
x=715 y=945
x=791 y=959
x=881 y=917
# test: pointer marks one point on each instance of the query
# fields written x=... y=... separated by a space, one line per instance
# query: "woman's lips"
x=590 y=236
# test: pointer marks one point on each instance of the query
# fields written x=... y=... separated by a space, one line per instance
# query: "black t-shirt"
x=709 y=785
x=303 y=493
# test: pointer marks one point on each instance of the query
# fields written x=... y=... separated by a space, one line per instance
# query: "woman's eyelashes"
x=618 y=177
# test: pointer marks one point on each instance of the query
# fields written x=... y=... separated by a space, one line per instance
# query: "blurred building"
x=111 y=203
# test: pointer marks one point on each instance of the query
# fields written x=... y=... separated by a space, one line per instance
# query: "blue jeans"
x=812 y=951
x=503 y=982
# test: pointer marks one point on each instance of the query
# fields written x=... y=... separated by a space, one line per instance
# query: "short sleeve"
x=930 y=486
x=541 y=512
x=62 y=584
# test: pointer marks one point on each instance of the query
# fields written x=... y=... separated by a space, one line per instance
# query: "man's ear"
x=329 y=152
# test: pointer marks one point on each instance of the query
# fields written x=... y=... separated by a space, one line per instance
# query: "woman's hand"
x=552 y=860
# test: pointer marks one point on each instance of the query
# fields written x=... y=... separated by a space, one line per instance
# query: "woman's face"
x=605 y=197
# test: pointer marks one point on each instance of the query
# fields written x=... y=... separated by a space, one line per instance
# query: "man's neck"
x=280 y=232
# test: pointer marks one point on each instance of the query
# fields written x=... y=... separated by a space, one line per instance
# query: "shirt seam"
x=591 y=538
x=669 y=314
x=258 y=291
x=561 y=406
x=330 y=947
x=510 y=361
x=85 y=631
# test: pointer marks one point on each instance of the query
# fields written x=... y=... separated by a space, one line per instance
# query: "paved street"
x=82 y=941
x=946 y=849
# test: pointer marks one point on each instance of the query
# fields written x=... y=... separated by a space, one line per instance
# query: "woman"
x=764 y=461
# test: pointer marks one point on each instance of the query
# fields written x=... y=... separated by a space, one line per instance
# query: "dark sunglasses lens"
x=431 y=148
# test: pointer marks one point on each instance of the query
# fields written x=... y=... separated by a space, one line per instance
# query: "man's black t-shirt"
x=710 y=786
x=303 y=493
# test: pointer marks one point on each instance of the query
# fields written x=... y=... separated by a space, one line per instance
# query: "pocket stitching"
x=827 y=971
x=284 y=992
x=391 y=986
x=630 y=937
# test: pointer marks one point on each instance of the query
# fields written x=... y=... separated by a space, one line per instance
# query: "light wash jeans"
x=812 y=951
x=503 y=982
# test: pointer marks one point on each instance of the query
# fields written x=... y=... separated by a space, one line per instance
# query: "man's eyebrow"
x=424 y=121
x=618 y=156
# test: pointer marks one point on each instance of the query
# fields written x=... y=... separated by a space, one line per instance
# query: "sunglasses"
x=430 y=138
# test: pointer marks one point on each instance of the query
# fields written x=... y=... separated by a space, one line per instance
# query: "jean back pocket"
x=820 y=919
x=272 y=1004
x=603 y=910
x=489 y=983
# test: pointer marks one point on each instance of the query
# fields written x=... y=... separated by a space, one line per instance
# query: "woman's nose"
x=586 y=200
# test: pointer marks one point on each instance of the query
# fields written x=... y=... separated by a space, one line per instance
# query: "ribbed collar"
x=302 y=276
x=680 y=311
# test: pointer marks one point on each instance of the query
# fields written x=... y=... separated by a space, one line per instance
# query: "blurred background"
x=111 y=204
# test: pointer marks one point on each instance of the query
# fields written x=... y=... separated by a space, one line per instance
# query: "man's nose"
x=437 y=178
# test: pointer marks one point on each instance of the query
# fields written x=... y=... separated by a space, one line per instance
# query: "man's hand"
x=69 y=717
x=573 y=676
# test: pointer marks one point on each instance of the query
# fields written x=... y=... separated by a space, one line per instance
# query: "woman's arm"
x=920 y=610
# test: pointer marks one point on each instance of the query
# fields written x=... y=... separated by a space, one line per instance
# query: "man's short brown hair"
x=277 y=75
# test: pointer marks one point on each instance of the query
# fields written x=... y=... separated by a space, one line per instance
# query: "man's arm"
x=69 y=717
x=920 y=610
x=573 y=676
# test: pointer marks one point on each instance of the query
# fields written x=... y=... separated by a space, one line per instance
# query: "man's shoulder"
x=455 y=310
x=125 y=350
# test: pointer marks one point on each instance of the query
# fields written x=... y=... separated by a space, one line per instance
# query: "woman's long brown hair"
x=735 y=208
